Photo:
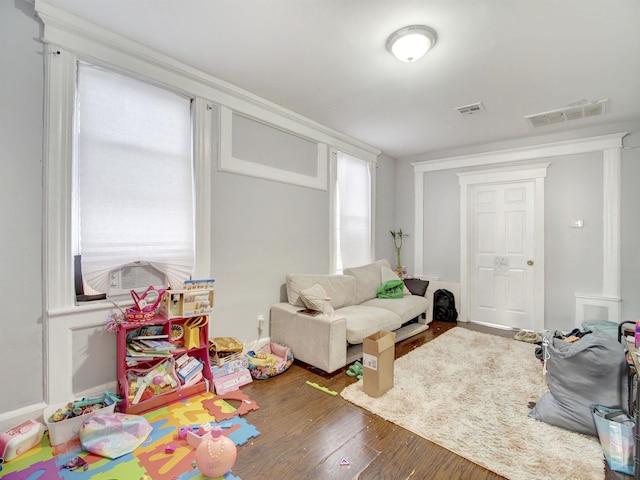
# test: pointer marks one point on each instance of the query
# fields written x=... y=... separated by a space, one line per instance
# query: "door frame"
x=534 y=173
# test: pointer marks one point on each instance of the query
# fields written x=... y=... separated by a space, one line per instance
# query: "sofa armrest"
x=317 y=340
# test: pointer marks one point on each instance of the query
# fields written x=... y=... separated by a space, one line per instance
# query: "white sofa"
x=329 y=343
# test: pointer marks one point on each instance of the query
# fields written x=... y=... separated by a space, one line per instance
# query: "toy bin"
x=69 y=429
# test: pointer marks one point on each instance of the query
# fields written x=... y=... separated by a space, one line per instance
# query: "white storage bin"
x=66 y=430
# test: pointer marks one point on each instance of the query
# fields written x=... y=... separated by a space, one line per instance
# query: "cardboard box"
x=378 y=357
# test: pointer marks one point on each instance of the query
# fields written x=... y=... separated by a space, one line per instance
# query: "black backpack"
x=444 y=306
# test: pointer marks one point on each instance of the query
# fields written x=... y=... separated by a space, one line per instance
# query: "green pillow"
x=391 y=289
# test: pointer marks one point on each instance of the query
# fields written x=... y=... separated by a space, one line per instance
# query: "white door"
x=501 y=252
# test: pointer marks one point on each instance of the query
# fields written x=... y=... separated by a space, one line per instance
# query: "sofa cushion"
x=407 y=307
x=363 y=321
x=368 y=279
x=314 y=297
x=340 y=288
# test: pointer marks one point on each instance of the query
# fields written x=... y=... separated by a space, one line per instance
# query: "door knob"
x=529 y=262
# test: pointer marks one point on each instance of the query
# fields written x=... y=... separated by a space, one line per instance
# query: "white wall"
x=21 y=317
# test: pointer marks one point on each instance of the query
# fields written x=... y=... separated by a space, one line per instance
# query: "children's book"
x=158 y=344
x=151 y=337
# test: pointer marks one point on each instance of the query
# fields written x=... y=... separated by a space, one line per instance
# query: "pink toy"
x=196 y=436
x=216 y=455
x=19 y=439
x=232 y=382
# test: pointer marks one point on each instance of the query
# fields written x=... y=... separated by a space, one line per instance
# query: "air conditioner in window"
x=138 y=277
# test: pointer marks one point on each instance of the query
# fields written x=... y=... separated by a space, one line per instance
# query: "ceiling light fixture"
x=411 y=43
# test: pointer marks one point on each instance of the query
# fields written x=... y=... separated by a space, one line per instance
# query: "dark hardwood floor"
x=305 y=433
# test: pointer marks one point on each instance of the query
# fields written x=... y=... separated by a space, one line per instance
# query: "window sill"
x=94 y=306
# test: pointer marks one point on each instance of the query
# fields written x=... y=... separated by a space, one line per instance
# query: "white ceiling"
x=326 y=60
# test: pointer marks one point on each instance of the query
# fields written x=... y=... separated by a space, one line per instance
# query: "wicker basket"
x=224 y=350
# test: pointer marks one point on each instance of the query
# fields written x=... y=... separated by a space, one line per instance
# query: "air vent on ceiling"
x=573 y=111
x=471 y=109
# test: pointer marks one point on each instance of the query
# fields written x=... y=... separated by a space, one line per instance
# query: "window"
x=133 y=178
x=352 y=212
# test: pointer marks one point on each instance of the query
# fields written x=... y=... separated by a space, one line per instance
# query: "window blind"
x=134 y=177
x=352 y=212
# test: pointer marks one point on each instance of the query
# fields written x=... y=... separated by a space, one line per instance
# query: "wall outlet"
x=260 y=321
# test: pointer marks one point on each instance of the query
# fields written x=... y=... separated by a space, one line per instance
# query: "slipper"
x=521 y=335
x=533 y=337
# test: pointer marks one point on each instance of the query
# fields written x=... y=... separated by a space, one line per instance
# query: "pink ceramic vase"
x=216 y=455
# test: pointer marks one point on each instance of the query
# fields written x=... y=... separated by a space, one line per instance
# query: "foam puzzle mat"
x=149 y=461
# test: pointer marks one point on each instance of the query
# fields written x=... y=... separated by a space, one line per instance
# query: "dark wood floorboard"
x=305 y=433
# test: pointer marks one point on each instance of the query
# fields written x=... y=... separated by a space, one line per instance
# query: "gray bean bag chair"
x=591 y=371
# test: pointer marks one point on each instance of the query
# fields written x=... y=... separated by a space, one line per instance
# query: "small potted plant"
x=397 y=241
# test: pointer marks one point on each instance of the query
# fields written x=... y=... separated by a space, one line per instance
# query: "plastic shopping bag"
x=616 y=431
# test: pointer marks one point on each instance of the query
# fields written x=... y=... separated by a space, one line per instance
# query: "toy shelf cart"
x=150 y=374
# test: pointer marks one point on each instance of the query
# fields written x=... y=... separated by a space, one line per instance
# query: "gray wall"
x=21 y=267
x=261 y=230
x=385 y=220
x=631 y=226
x=573 y=256
x=573 y=190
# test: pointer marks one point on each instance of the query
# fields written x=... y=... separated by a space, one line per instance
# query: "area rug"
x=469 y=393
x=162 y=456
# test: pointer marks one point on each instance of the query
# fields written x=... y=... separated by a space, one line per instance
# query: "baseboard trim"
x=15 y=417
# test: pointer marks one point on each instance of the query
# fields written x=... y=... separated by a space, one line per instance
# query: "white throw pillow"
x=388 y=274
x=313 y=297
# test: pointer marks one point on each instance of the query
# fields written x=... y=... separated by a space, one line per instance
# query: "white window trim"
x=231 y=164
x=61 y=73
